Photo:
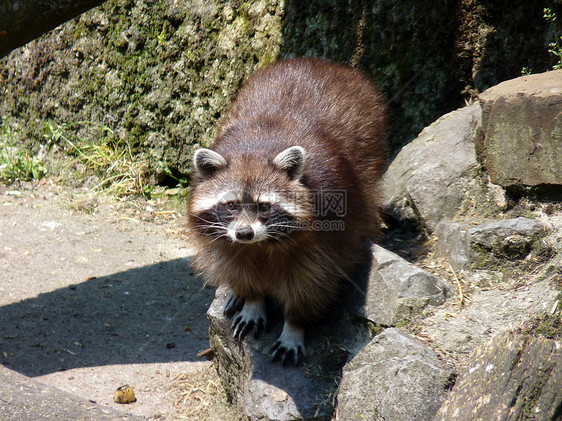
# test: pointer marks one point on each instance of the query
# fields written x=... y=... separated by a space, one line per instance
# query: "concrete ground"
x=95 y=293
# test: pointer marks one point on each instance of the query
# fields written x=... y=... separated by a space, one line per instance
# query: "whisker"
x=281 y=237
x=224 y=235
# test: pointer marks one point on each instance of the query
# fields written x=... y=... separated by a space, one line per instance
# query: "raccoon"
x=283 y=203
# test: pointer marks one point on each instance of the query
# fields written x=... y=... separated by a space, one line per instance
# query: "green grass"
x=15 y=163
x=110 y=158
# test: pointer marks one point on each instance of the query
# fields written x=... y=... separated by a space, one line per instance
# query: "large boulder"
x=515 y=376
x=393 y=378
x=397 y=290
x=430 y=177
x=522 y=121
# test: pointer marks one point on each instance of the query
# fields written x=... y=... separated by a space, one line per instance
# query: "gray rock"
x=426 y=180
x=522 y=120
x=467 y=246
x=263 y=390
x=397 y=290
x=457 y=331
x=513 y=377
x=393 y=378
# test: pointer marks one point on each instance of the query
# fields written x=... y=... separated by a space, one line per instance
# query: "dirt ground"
x=96 y=292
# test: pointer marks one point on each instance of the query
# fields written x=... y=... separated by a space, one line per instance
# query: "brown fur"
x=338 y=117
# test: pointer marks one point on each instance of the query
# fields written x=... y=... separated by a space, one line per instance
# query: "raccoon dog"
x=282 y=204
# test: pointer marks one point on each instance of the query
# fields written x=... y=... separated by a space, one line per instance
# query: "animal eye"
x=230 y=206
x=264 y=207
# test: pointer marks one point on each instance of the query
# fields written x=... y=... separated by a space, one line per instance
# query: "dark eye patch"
x=279 y=220
x=225 y=212
x=214 y=220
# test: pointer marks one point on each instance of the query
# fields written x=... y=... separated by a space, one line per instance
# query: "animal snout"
x=245 y=233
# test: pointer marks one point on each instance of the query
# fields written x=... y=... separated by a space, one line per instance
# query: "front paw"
x=252 y=315
x=289 y=346
x=234 y=304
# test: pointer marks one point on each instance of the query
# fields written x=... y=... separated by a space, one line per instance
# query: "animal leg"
x=234 y=303
x=290 y=345
x=253 y=315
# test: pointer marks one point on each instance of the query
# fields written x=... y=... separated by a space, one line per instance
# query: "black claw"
x=284 y=355
x=233 y=305
x=275 y=350
x=241 y=327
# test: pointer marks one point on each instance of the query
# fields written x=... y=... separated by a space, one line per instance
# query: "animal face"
x=249 y=202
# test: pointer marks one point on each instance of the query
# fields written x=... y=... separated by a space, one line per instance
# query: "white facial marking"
x=260 y=232
x=231 y=230
x=228 y=196
x=208 y=202
x=204 y=203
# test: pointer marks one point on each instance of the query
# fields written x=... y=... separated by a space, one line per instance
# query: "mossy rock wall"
x=161 y=73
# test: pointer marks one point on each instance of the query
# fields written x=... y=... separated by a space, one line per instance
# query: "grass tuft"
x=16 y=164
x=109 y=157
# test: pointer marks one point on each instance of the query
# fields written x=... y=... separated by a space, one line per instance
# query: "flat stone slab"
x=518 y=376
x=22 y=398
x=522 y=122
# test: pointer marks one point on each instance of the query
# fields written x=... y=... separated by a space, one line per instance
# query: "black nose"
x=244 y=233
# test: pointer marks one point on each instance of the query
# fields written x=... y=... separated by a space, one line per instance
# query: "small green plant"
x=555 y=47
x=403 y=323
x=182 y=180
x=15 y=164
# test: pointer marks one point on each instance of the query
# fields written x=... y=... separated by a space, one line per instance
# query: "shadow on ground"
x=154 y=313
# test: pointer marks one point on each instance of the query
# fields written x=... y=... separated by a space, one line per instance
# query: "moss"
x=531 y=400
x=484 y=258
x=546 y=325
x=511 y=254
x=403 y=323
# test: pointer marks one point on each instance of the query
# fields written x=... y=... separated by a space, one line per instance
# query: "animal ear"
x=206 y=162
x=292 y=161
